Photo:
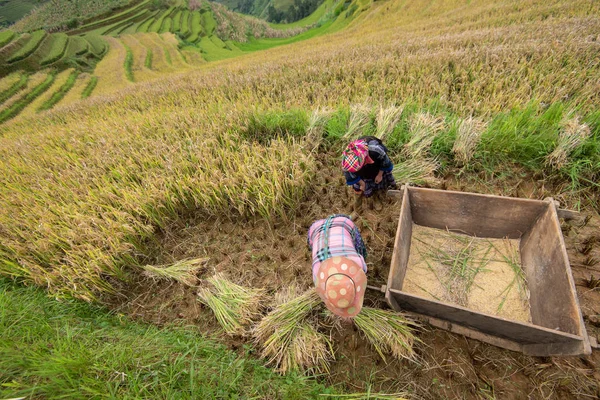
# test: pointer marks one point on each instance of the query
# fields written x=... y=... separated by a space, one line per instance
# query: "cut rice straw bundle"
x=467 y=137
x=234 y=306
x=416 y=170
x=316 y=125
x=183 y=271
x=288 y=341
x=359 y=117
x=424 y=127
x=388 y=332
x=573 y=135
x=387 y=119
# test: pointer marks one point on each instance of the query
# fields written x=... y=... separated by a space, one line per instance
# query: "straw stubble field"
x=216 y=163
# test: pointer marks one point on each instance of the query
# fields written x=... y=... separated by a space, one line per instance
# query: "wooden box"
x=557 y=326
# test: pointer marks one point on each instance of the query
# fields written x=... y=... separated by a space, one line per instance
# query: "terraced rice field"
x=29 y=47
x=110 y=70
x=33 y=107
x=58 y=47
x=140 y=54
x=36 y=85
x=75 y=94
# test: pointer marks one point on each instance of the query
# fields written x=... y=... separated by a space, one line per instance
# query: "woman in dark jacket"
x=367 y=166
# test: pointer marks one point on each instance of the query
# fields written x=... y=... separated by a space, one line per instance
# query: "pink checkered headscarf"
x=355 y=155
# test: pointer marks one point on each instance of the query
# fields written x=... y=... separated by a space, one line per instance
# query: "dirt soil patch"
x=253 y=252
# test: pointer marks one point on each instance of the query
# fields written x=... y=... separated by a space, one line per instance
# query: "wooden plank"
x=547 y=270
x=556 y=349
x=518 y=332
x=401 y=245
x=470 y=333
x=474 y=214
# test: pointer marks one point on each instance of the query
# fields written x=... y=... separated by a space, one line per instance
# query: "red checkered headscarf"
x=355 y=155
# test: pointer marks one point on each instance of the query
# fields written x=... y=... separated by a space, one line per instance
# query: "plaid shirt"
x=335 y=236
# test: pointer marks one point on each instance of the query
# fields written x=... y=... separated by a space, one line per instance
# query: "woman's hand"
x=379 y=177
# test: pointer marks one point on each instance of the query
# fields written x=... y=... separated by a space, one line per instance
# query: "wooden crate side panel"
x=401 y=245
x=543 y=256
x=510 y=330
x=474 y=214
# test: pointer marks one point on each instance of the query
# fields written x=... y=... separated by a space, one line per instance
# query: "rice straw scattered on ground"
x=183 y=271
x=570 y=137
x=468 y=135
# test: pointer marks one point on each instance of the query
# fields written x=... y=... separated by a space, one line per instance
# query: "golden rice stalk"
x=278 y=334
x=467 y=137
x=416 y=170
x=309 y=350
x=183 y=271
x=388 y=332
x=387 y=119
x=570 y=137
x=234 y=306
x=316 y=125
x=359 y=118
x=424 y=127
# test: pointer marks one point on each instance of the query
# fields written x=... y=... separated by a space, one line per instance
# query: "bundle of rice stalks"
x=468 y=135
x=359 y=118
x=424 y=127
x=183 y=271
x=289 y=341
x=234 y=306
x=316 y=125
x=416 y=170
x=387 y=119
x=388 y=332
x=570 y=137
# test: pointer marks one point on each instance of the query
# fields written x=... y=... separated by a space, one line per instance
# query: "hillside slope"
x=234 y=159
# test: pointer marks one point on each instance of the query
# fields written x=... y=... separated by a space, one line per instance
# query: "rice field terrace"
x=157 y=41
x=175 y=181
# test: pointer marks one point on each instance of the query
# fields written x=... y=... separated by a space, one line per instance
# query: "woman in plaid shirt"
x=367 y=166
x=338 y=267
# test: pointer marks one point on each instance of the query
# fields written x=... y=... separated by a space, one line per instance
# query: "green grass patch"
x=196 y=28
x=32 y=44
x=177 y=21
x=57 y=48
x=127 y=14
x=185 y=24
x=98 y=45
x=263 y=44
x=208 y=23
x=79 y=44
x=71 y=349
x=156 y=25
x=148 y=60
x=14 y=89
x=6 y=37
x=16 y=108
x=128 y=64
x=166 y=26
x=145 y=25
x=58 y=96
x=87 y=92
x=167 y=56
x=265 y=126
x=312 y=19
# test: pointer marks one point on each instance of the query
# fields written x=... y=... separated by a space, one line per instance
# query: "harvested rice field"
x=481 y=274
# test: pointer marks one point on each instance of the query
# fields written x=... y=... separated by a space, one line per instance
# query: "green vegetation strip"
x=33 y=43
x=71 y=349
x=6 y=37
x=90 y=87
x=196 y=27
x=28 y=98
x=57 y=49
x=185 y=24
x=148 y=60
x=14 y=89
x=128 y=64
x=58 y=96
x=99 y=45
